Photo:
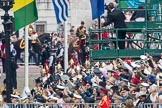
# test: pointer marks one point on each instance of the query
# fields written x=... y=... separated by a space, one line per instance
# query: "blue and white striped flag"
x=61 y=8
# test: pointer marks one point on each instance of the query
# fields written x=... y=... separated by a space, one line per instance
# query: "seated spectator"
x=138 y=15
x=128 y=15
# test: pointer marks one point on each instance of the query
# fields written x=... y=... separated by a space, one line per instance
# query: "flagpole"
x=26 y=90
x=65 y=47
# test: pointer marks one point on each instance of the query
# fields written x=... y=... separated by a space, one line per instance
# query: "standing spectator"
x=139 y=16
x=44 y=55
x=33 y=46
x=81 y=33
x=105 y=101
x=52 y=60
x=3 y=55
x=60 y=54
x=117 y=17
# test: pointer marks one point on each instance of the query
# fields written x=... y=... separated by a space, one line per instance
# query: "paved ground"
x=34 y=72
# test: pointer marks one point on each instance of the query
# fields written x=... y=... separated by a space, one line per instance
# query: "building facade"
x=80 y=10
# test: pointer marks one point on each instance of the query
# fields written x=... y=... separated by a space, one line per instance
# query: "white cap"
x=60 y=87
x=77 y=96
x=145 y=84
x=15 y=96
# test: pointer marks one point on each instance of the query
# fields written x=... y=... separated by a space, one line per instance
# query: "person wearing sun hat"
x=143 y=100
x=117 y=100
x=105 y=101
x=125 y=94
x=110 y=82
x=77 y=99
x=144 y=87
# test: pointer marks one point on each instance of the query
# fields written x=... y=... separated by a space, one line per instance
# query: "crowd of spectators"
x=137 y=81
x=129 y=83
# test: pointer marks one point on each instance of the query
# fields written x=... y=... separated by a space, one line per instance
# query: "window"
x=40 y=27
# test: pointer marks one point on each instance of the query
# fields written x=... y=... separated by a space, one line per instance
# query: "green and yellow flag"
x=25 y=12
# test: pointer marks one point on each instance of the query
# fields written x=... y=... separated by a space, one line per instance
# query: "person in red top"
x=3 y=54
x=46 y=67
x=105 y=101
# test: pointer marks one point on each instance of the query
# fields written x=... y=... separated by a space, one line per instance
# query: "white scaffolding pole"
x=26 y=90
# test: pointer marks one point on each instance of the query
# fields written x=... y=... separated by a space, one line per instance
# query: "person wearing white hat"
x=142 y=100
x=14 y=100
x=77 y=99
x=144 y=87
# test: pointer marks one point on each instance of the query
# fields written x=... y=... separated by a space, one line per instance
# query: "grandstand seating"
x=147 y=28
